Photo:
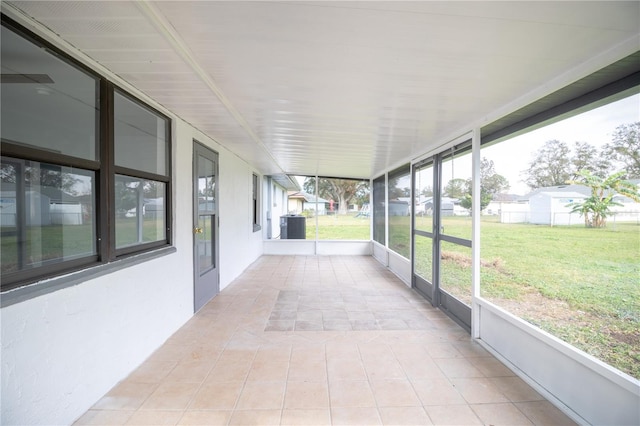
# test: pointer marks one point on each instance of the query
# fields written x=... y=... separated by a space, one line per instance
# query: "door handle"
x=197 y=230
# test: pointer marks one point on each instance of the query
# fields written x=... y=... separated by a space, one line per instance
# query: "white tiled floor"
x=308 y=340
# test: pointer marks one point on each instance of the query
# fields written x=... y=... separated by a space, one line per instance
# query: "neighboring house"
x=37 y=206
x=498 y=203
x=300 y=201
x=549 y=206
x=276 y=206
x=45 y=206
x=448 y=207
x=582 y=189
x=399 y=207
x=154 y=207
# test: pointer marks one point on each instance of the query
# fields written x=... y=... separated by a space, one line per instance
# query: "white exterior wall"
x=551 y=209
x=64 y=350
x=239 y=244
x=561 y=214
x=540 y=209
x=279 y=207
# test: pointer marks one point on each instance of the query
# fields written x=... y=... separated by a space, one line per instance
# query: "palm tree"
x=595 y=208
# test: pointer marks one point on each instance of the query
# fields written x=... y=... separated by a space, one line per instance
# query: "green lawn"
x=52 y=242
x=47 y=243
x=588 y=281
x=339 y=227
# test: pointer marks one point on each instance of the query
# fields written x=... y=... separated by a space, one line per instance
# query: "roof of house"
x=309 y=198
x=563 y=194
x=581 y=189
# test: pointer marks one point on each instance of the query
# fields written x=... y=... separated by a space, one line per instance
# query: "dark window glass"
x=140 y=215
x=255 y=203
x=140 y=137
x=47 y=214
x=47 y=103
x=141 y=143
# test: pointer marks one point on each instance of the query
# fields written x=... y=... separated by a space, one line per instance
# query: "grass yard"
x=581 y=285
x=46 y=244
x=339 y=227
x=55 y=243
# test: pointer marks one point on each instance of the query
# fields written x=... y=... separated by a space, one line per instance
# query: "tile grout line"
x=366 y=373
x=326 y=370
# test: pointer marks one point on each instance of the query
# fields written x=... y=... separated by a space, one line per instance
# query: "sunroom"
x=156 y=155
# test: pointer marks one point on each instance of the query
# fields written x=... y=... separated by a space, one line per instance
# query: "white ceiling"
x=336 y=88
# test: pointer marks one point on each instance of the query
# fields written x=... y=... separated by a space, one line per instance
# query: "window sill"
x=41 y=288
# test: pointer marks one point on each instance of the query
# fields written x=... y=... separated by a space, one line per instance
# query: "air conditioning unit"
x=293 y=227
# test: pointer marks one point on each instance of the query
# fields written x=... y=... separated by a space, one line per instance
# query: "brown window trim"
x=105 y=172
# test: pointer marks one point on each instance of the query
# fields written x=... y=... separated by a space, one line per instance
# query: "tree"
x=625 y=148
x=491 y=183
x=596 y=207
x=153 y=189
x=126 y=196
x=44 y=175
x=340 y=190
x=455 y=188
x=395 y=191
x=427 y=191
x=587 y=157
x=362 y=195
x=550 y=167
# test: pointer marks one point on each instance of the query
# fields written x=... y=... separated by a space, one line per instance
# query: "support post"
x=475 y=238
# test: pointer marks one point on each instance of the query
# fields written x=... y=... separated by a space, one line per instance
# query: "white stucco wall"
x=279 y=207
x=64 y=350
x=239 y=244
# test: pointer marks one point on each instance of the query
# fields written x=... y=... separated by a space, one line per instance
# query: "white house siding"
x=62 y=351
x=279 y=207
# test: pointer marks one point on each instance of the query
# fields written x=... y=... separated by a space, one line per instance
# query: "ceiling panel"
x=336 y=88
